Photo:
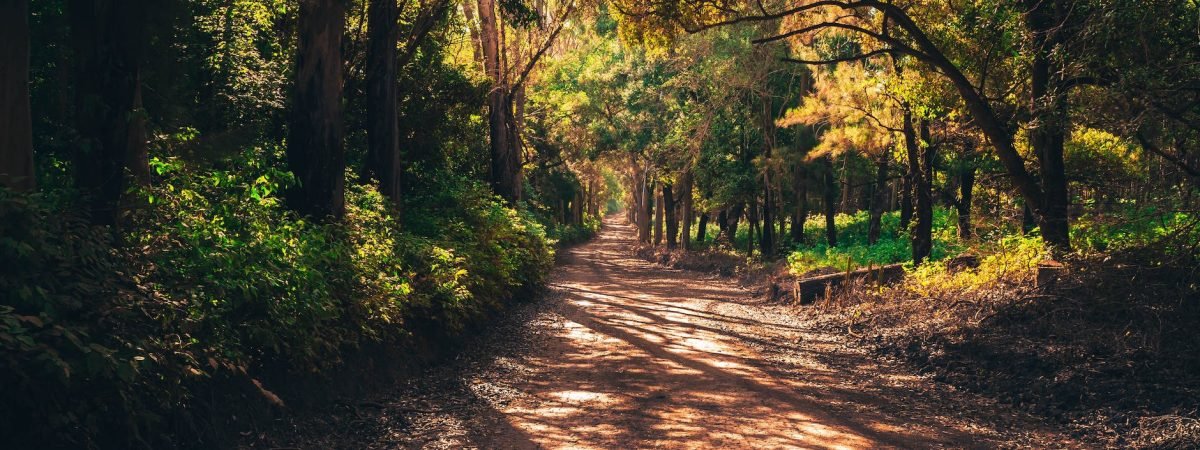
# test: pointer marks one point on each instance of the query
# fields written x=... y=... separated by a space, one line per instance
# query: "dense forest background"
x=210 y=196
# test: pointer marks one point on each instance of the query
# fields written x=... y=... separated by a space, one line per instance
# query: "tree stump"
x=1049 y=272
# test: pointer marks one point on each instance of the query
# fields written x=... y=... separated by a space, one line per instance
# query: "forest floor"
x=622 y=353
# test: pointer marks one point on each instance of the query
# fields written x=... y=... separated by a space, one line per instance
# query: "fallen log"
x=808 y=290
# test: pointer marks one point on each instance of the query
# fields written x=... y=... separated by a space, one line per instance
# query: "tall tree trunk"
x=922 y=230
x=315 y=150
x=723 y=223
x=685 y=235
x=505 y=155
x=670 y=216
x=754 y=229
x=735 y=216
x=782 y=218
x=138 y=158
x=906 y=203
x=1049 y=123
x=577 y=208
x=767 y=235
x=658 y=220
x=107 y=36
x=383 y=133
x=702 y=227
x=878 y=198
x=966 y=186
x=1028 y=221
x=645 y=209
x=139 y=145
x=845 y=191
x=800 y=212
x=829 y=197
x=635 y=194
x=16 y=122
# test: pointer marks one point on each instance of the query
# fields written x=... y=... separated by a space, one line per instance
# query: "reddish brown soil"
x=626 y=354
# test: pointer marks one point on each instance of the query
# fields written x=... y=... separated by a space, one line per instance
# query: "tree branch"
x=1192 y=172
x=824 y=62
x=542 y=51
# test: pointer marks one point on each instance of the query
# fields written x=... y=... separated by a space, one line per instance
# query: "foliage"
x=1131 y=226
x=1013 y=260
x=83 y=346
x=219 y=280
x=853 y=251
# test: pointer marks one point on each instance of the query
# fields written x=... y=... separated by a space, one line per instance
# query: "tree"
x=315 y=151
x=920 y=172
x=108 y=39
x=383 y=133
x=858 y=115
x=829 y=193
x=507 y=66
x=882 y=27
x=16 y=123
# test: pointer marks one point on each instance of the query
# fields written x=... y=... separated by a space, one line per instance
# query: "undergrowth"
x=104 y=338
x=1002 y=246
x=1109 y=349
x=853 y=251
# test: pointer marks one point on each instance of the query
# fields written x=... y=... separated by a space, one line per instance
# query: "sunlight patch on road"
x=704 y=345
x=580 y=396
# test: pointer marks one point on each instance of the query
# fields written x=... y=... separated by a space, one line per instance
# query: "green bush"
x=574 y=234
x=853 y=251
x=105 y=337
x=1129 y=227
x=87 y=351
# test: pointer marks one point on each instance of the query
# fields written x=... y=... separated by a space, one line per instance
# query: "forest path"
x=626 y=354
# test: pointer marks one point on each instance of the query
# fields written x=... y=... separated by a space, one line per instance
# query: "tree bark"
x=383 y=133
x=658 y=220
x=669 y=213
x=906 y=202
x=800 y=212
x=505 y=155
x=1049 y=124
x=767 y=235
x=966 y=186
x=829 y=197
x=108 y=37
x=1028 y=221
x=734 y=216
x=845 y=190
x=702 y=228
x=878 y=198
x=645 y=207
x=918 y=158
x=685 y=234
x=752 y=215
x=16 y=121
x=723 y=223
x=781 y=217
x=577 y=208
x=315 y=149
x=139 y=145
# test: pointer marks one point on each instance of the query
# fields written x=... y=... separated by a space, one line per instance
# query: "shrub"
x=853 y=251
x=1012 y=260
x=87 y=352
x=104 y=338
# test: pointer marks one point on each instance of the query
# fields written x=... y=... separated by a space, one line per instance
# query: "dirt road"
x=626 y=354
